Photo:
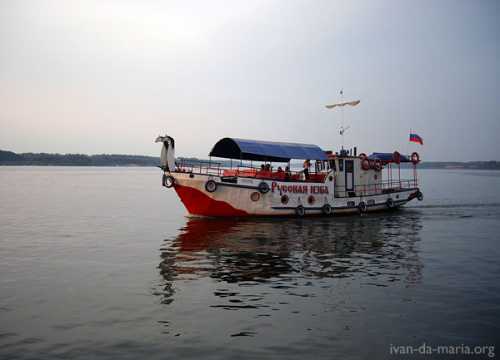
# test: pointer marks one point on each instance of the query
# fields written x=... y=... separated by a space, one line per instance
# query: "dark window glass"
x=349 y=166
x=341 y=165
x=332 y=165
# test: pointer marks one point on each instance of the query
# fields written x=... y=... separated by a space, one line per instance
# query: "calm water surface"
x=104 y=263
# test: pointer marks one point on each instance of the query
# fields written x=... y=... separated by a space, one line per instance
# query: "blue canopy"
x=231 y=148
x=387 y=157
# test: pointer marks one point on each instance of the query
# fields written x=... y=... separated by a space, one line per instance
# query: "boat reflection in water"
x=291 y=254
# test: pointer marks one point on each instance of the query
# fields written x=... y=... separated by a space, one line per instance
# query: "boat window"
x=349 y=166
x=332 y=165
x=341 y=165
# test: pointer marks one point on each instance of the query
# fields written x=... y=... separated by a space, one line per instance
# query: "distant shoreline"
x=45 y=159
x=9 y=158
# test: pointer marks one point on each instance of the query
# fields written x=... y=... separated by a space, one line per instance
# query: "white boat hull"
x=240 y=196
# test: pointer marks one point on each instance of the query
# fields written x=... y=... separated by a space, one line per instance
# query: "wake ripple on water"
x=457 y=205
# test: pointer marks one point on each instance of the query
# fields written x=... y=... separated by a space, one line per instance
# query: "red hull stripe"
x=198 y=203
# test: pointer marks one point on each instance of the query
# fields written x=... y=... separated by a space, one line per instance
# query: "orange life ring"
x=365 y=164
x=415 y=158
x=396 y=157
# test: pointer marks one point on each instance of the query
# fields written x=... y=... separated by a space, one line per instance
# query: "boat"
x=266 y=178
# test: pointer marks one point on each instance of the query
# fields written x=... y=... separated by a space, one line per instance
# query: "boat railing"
x=220 y=169
x=201 y=167
x=204 y=167
x=383 y=187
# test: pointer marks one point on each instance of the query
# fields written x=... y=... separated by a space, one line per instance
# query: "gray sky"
x=109 y=76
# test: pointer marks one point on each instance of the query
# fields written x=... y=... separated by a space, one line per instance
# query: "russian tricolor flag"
x=416 y=138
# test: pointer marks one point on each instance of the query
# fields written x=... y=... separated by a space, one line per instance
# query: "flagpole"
x=342 y=117
x=408 y=148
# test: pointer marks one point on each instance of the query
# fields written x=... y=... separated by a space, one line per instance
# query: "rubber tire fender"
x=263 y=187
x=210 y=186
x=300 y=211
x=327 y=209
x=168 y=181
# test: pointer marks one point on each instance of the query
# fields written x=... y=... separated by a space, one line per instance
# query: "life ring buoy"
x=362 y=207
x=210 y=186
x=327 y=209
x=420 y=196
x=415 y=158
x=365 y=164
x=377 y=165
x=390 y=203
x=263 y=187
x=300 y=211
x=168 y=181
x=396 y=157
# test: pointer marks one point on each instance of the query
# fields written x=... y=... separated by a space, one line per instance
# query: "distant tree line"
x=11 y=158
x=469 y=165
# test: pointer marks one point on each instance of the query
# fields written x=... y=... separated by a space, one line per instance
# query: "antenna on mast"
x=343 y=129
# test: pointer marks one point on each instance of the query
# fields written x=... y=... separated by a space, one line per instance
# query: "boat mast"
x=342 y=130
x=342 y=104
